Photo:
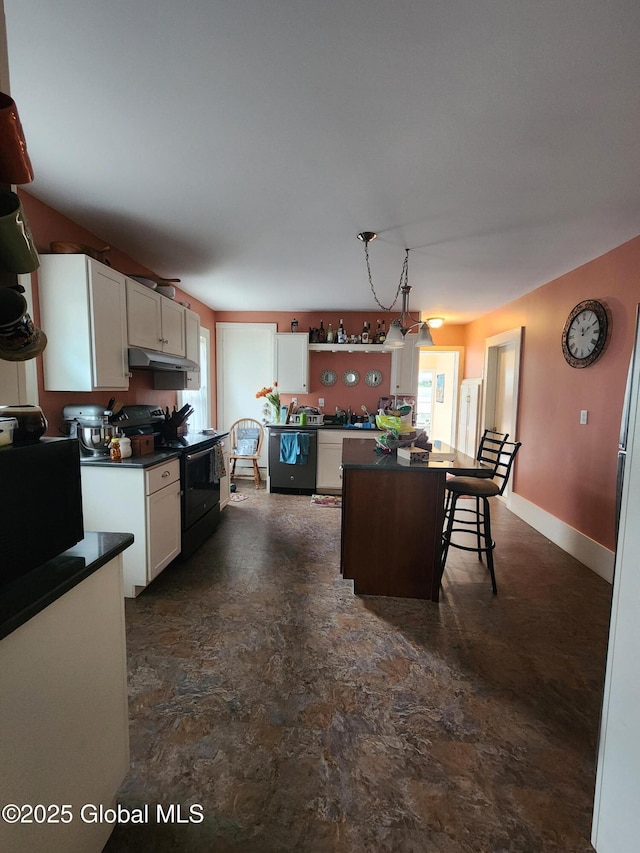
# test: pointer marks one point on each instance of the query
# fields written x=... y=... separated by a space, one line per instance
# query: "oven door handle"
x=191 y=457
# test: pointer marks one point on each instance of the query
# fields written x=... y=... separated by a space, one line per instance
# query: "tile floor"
x=302 y=718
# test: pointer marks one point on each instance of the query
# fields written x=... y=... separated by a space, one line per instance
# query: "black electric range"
x=200 y=470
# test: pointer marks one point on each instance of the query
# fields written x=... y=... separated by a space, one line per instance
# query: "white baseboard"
x=595 y=556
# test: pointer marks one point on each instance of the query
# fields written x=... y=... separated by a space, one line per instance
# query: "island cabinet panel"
x=63 y=705
x=391 y=531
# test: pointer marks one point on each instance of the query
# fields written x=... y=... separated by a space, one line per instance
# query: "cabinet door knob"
x=166 y=473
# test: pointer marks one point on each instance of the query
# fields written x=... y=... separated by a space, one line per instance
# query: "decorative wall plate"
x=350 y=378
x=373 y=378
x=328 y=377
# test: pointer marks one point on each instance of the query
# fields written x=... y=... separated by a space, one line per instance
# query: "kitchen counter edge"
x=330 y=427
x=25 y=597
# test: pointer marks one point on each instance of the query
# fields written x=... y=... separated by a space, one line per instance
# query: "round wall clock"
x=585 y=333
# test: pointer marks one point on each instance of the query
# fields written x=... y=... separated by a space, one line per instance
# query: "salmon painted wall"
x=48 y=225
x=567 y=469
x=339 y=395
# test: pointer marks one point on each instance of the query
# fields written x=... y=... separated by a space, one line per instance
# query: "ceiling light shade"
x=435 y=322
x=424 y=338
x=403 y=324
x=395 y=338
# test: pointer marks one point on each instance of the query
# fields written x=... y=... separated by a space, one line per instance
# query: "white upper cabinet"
x=192 y=332
x=292 y=363
x=154 y=321
x=173 y=327
x=405 y=366
x=83 y=314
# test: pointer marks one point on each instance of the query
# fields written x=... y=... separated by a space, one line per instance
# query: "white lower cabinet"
x=142 y=501
x=329 y=467
x=65 y=727
x=225 y=482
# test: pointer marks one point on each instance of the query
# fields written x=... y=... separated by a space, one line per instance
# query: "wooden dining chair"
x=500 y=454
x=246 y=437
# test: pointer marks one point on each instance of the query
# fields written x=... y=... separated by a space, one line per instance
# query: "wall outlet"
x=320 y=402
x=584 y=415
x=294 y=400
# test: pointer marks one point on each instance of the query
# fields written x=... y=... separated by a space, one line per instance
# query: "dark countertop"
x=358 y=453
x=151 y=459
x=147 y=461
x=28 y=595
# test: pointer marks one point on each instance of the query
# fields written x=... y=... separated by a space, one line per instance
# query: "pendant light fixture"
x=403 y=324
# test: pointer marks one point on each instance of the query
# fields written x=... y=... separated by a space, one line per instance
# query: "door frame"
x=490 y=390
x=492 y=345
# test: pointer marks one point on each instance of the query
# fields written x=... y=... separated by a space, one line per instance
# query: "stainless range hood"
x=152 y=360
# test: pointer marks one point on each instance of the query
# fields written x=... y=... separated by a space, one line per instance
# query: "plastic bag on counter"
x=386 y=422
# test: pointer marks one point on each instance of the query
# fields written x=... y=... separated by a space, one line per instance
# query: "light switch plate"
x=320 y=402
x=584 y=414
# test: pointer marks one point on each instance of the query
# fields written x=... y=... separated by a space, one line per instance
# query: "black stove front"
x=200 y=483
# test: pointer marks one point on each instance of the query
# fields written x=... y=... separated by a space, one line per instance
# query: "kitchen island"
x=63 y=704
x=392 y=518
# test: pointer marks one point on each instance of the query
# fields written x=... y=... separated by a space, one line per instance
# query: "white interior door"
x=245 y=363
x=504 y=409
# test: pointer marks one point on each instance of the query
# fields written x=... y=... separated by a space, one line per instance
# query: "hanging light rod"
x=403 y=324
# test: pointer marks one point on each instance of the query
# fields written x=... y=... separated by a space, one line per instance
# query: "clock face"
x=585 y=333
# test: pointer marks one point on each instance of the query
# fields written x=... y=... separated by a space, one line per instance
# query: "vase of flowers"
x=271 y=409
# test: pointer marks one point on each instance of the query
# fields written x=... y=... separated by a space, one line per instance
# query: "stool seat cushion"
x=475 y=486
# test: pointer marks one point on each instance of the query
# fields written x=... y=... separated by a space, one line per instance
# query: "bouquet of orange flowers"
x=272 y=396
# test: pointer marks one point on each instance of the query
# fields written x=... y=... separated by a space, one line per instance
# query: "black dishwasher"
x=297 y=477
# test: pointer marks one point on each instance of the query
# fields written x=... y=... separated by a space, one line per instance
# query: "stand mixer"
x=90 y=425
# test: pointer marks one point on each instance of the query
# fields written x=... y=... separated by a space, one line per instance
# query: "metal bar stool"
x=494 y=450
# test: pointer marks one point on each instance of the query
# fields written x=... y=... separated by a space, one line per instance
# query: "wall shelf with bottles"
x=379 y=348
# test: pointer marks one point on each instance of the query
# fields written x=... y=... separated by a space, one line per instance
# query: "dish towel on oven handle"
x=218 y=463
x=294 y=448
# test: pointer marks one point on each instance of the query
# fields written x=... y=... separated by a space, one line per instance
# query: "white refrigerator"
x=616 y=814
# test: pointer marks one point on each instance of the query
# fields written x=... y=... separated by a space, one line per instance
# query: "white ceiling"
x=241 y=145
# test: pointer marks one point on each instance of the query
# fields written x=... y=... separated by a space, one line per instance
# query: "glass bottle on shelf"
x=322 y=334
x=383 y=332
x=364 y=337
x=341 y=333
x=330 y=335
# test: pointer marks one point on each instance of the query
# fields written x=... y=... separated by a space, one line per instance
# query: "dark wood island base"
x=392 y=518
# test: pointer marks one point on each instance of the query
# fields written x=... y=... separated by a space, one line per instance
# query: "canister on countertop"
x=125 y=447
